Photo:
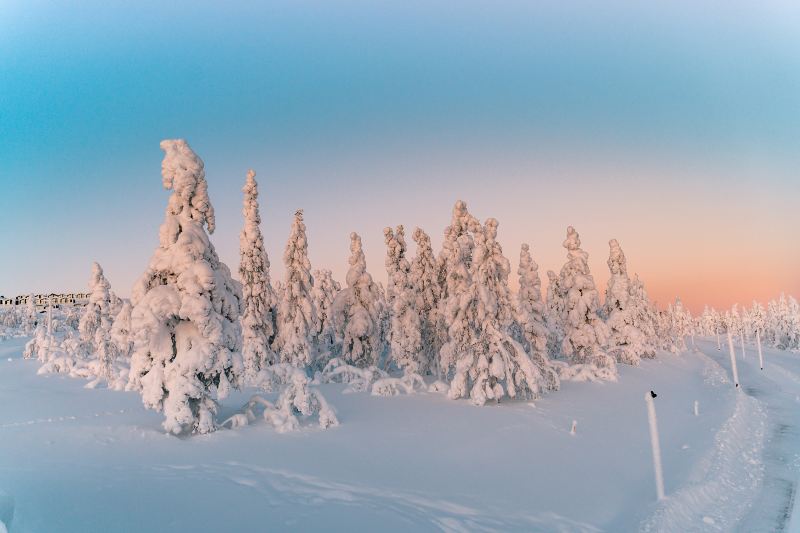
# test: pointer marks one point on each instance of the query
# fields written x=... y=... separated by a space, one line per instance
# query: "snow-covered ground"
x=76 y=459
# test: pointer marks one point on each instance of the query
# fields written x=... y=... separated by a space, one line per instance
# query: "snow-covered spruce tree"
x=121 y=334
x=706 y=324
x=324 y=336
x=681 y=322
x=530 y=317
x=185 y=313
x=30 y=316
x=644 y=316
x=404 y=332
x=585 y=334
x=758 y=319
x=258 y=299
x=555 y=305
x=296 y=314
x=453 y=269
x=95 y=324
x=357 y=312
x=427 y=296
x=625 y=342
x=489 y=363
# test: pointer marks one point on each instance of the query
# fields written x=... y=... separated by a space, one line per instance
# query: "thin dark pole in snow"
x=741 y=339
x=696 y=408
x=733 y=360
x=760 y=355
x=719 y=346
x=574 y=427
x=651 y=417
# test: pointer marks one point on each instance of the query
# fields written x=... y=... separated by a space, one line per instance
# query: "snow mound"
x=726 y=482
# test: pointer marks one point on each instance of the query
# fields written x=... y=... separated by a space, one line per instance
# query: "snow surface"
x=76 y=459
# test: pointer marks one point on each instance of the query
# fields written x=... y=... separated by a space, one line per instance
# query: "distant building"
x=41 y=300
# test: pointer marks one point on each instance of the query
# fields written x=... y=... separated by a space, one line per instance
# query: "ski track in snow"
x=725 y=484
x=282 y=487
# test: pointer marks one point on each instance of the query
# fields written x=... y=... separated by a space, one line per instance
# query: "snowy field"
x=76 y=459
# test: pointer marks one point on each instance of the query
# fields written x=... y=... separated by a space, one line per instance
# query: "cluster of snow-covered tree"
x=777 y=325
x=445 y=322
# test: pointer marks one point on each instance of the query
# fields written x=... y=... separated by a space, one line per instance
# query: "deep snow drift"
x=77 y=459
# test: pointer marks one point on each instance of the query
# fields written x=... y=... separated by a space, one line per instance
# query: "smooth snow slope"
x=75 y=459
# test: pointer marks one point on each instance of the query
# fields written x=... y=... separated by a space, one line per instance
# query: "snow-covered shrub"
x=405 y=336
x=296 y=401
x=296 y=314
x=358 y=379
x=258 y=299
x=585 y=334
x=357 y=312
x=530 y=317
x=185 y=313
x=408 y=383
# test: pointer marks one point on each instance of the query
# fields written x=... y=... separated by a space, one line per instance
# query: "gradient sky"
x=673 y=127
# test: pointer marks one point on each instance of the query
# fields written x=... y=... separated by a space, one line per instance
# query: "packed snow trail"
x=749 y=482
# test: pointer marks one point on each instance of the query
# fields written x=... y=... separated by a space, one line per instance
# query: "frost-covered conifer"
x=681 y=322
x=258 y=299
x=644 y=315
x=758 y=318
x=585 y=334
x=706 y=323
x=555 y=311
x=95 y=324
x=357 y=312
x=404 y=332
x=625 y=342
x=30 y=317
x=121 y=334
x=489 y=363
x=185 y=313
x=530 y=317
x=453 y=267
x=325 y=290
x=427 y=296
x=296 y=314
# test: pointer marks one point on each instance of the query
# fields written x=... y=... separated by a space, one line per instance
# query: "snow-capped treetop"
x=182 y=171
x=616 y=258
x=397 y=266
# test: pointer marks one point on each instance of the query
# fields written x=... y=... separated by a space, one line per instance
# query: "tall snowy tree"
x=625 y=342
x=405 y=337
x=185 y=307
x=585 y=334
x=325 y=290
x=530 y=317
x=296 y=314
x=357 y=312
x=30 y=316
x=121 y=334
x=644 y=315
x=489 y=363
x=555 y=305
x=96 y=322
x=427 y=296
x=453 y=268
x=258 y=299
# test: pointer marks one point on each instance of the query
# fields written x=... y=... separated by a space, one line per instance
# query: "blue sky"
x=368 y=114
